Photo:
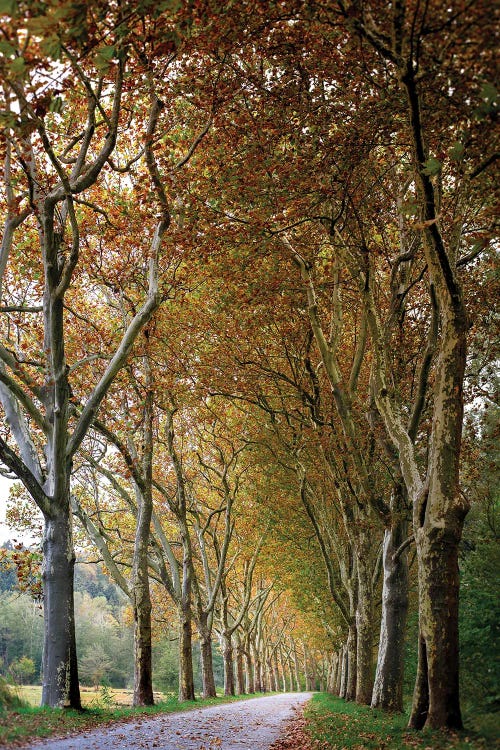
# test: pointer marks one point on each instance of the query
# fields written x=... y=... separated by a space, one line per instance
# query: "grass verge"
x=23 y=724
x=335 y=724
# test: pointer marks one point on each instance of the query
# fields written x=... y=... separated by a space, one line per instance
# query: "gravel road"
x=252 y=724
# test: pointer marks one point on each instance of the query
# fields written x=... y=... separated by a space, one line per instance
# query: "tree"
x=448 y=157
x=21 y=631
x=438 y=506
x=94 y=664
x=38 y=407
x=23 y=670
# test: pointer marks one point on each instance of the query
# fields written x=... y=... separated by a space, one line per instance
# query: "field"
x=90 y=696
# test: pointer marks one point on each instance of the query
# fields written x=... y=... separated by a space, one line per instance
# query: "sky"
x=5 y=484
x=5 y=532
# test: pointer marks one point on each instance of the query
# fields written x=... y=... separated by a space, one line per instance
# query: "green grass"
x=25 y=723
x=335 y=724
x=332 y=723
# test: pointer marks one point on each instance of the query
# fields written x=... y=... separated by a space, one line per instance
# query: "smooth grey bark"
x=350 y=691
x=289 y=663
x=344 y=672
x=239 y=670
x=388 y=685
x=258 y=679
x=204 y=626
x=271 y=674
x=336 y=673
x=207 y=668
x=249 y=671
x=141 y=598
x=227 y=653
x=60 y=672
x=364 y=632
x=276 y=670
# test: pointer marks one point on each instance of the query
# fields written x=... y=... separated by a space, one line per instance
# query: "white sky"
x=4 y=493
x=5 y=532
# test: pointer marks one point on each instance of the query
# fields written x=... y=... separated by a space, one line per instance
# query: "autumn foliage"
x=246 y=253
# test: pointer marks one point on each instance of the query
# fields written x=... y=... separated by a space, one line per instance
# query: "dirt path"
x=252 y=724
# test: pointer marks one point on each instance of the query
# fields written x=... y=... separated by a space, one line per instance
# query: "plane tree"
x=63 y=119
x=450 y=150
x=361 y=118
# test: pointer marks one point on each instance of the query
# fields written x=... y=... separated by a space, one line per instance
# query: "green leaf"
x=103 y=58
x=17 y=66
x=8 y=7
x=409 y=208
x=7 y=49
x=489 y=93
x=56 y=104
x=456 y=152
x=489 y=101
x=107 y=53
x=432 y=166
x=51 y=46
x=7 y=119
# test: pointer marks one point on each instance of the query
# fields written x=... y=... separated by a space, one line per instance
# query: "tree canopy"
x=247 y=270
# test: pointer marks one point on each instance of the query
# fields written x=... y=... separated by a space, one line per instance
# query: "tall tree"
x=414 y=36
x=50 y=164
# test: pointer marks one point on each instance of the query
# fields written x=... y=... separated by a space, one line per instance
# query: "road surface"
x=250 y=724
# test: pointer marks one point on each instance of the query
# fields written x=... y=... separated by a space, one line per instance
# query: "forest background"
x=248 y=355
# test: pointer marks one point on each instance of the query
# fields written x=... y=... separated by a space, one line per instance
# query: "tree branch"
x=19 y=468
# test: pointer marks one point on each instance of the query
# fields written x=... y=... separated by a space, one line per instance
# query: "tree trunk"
x=227 y=651
x=186 y=679
x=296 y=668
x=306 y=667
x=257 y=670
x=439 y=511
x=263 y=677
x=276 y=671
x=270 y=675
x=290 y=674
x=344 y=672
x=249 y=679
x=141 y=598
x=258 y=677
x=340 y=663
x=364 y=633
x=240 y=673
x=207 y=663
x=388 y=686
x=207 y=668
x=60 y=672
x=312 y=676
x=350 y=693
x=332 y=679
x=143 y=686
x=438 y=624
x=438 y=522
x=283 y=665
x=420 y=704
